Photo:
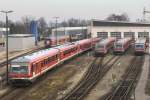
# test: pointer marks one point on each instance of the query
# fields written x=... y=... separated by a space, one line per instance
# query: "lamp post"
x=56 y=18
x=6 y=12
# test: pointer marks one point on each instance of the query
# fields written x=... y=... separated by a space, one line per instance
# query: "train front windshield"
x=19 y=68
x=99 y=46
x=139 y=46
x=118 y=46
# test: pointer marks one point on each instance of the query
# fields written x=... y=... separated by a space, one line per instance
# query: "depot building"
x=105 y=29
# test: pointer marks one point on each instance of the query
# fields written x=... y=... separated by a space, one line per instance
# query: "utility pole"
x=144 y=13
x=6 y=12
x=56 y=18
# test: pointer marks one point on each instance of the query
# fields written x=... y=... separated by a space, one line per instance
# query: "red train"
x=122 y=45
x=29 y=67
x=95 y=40
x=51 y=41
x=104 y=45
x=140 y=46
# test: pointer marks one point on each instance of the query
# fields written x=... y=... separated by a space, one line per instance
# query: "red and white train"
x=96 y=40
x=52 y=41
x=122 y=45
x=29 y=67
x=104 y=45
x=140 y=46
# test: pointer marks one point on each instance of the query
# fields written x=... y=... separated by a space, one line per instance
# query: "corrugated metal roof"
x=36 y=55
x=96 y=22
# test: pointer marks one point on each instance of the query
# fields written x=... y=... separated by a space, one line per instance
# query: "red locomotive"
x=30 y=67
x=122 y=45
x=104 y=45
x=140 y=46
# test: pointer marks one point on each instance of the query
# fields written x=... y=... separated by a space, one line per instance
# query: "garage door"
x=117 y=35
x=143 y=34
x=129 y=34
x=102 y=34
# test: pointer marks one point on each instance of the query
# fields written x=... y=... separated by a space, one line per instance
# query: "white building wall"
x=95 y=29
x=28 y=42
x=20 y=43
x=14 y=44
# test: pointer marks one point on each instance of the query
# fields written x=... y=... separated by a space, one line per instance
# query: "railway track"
x=125 y=87
x=95 y=73
x=14 y=92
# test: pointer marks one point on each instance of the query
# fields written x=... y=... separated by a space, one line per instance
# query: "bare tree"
x=74 y=23
x=26 y=21
x=115 y=17
x=21 y=27
x=42 y=25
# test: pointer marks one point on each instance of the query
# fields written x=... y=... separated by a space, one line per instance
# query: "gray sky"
x=87 y=9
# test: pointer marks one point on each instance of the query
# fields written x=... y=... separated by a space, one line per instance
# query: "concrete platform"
x=140 y=89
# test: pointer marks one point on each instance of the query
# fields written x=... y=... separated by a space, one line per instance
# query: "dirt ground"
x=110 y=79
x=59 y=81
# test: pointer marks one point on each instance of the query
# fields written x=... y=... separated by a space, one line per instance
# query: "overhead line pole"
x=56 y=18
x=6 y=13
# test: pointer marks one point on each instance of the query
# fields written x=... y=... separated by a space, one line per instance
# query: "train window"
x=45 y=61
x=42 y=63
x=50 y=59
x=19 y=69
x=68 y=51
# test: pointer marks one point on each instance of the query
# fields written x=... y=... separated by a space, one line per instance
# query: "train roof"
x=96 y=38
x=122 y=41
x=36 y=55
x=58 y=37
x=140 y=40
x=84 y=41
x=65 y=46
x=105 y=41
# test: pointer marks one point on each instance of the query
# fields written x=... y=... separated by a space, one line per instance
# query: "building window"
x=129 y=34
x=102 y=34
x=117 y=35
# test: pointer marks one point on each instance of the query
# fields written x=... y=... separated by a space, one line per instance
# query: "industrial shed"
x=104 y=29
x=17 y=42
x=75 y=33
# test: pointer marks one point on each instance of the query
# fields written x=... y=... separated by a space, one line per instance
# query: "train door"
x=33 y=69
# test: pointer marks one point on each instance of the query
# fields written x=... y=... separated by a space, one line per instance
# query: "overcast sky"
x=65 y=9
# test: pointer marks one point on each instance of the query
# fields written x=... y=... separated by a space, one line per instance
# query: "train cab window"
x=99 y=46
x=19 y=69
x=139 y=46
x=118 y=46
